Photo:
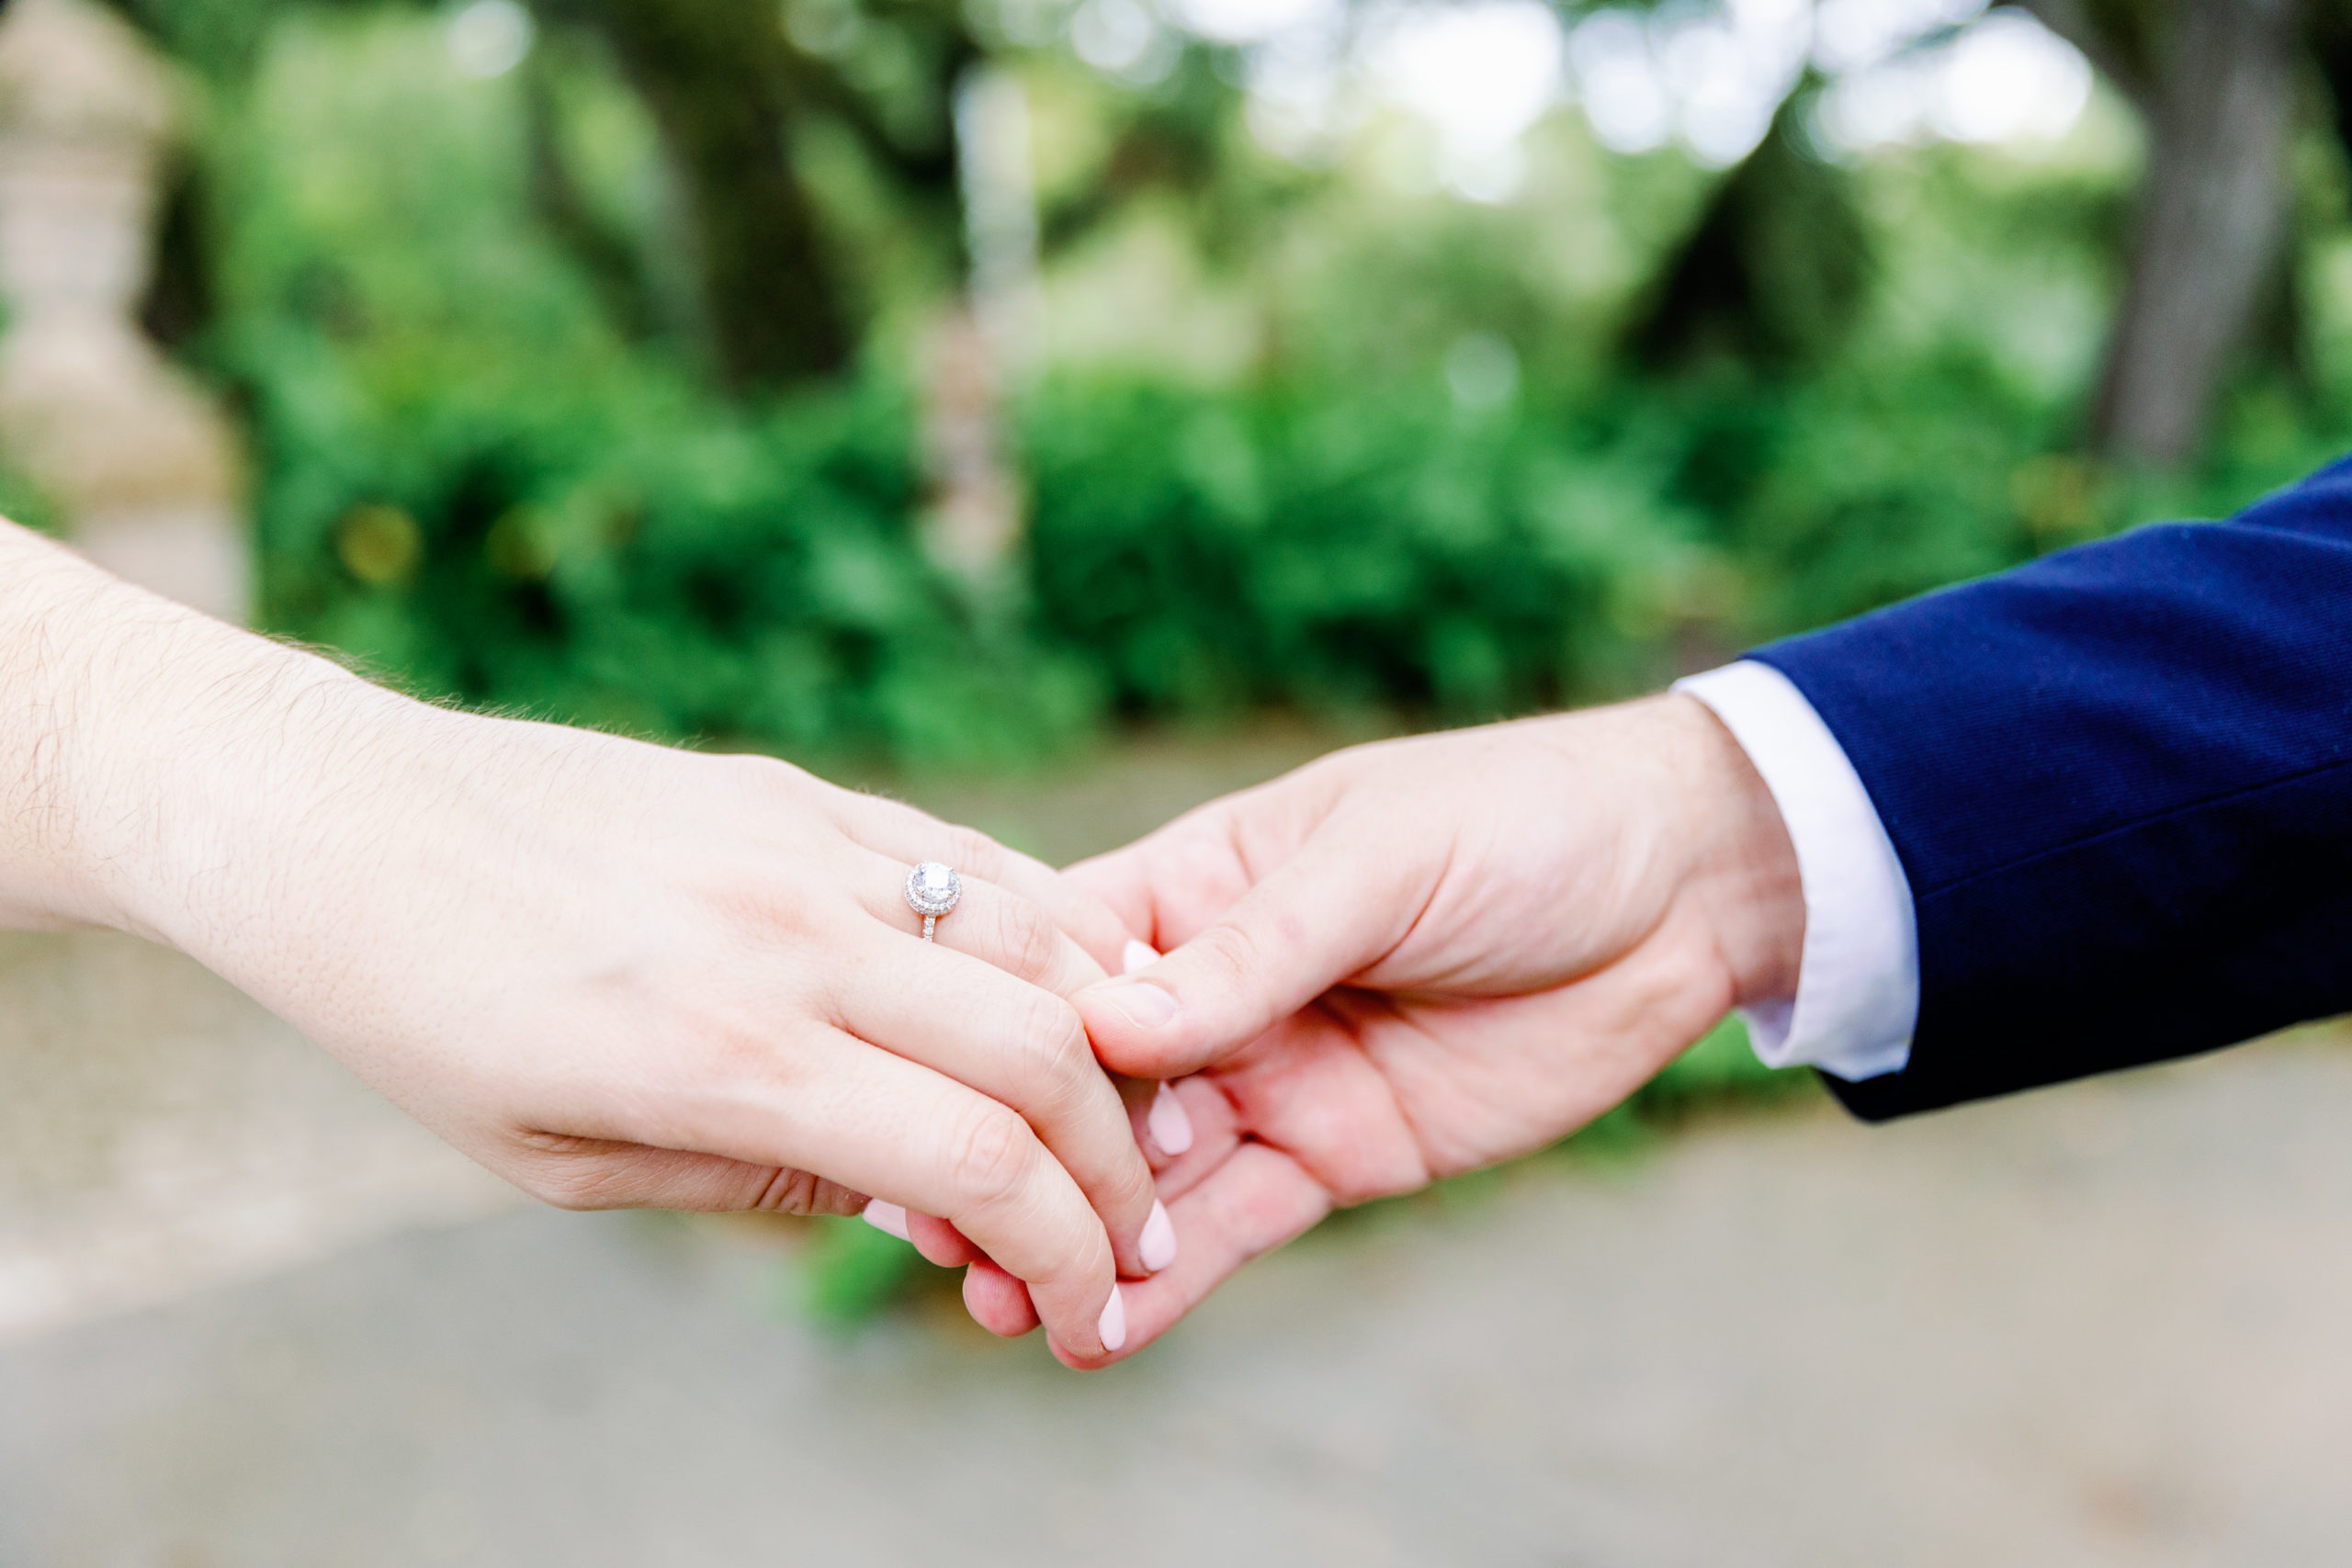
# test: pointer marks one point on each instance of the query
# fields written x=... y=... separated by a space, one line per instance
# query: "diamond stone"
x=932 y=888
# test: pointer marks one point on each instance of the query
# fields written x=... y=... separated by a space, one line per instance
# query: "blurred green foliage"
x=22 y=501
x=1720 y=1066
x=849 y=1272
x=1314 y=435
x=472 y=482
x=1212 y=549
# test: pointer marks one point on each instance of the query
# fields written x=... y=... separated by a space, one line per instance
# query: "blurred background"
x=1059 y=413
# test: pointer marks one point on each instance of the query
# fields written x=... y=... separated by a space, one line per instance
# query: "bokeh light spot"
x=380 y=545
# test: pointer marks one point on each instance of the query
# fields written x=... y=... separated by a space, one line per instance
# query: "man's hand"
x=616 y=974
x=1416 y=958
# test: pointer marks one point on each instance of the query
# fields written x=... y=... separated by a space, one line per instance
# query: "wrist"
x=1743 y=871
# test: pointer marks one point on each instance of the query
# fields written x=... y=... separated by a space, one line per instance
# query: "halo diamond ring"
x=932 y=889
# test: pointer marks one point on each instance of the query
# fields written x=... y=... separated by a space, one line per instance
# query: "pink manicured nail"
x=1145 y=1005
x=1158 y=1243
x=887 y=1217
x=1113 y=1326
x=1140 y=955
x=1169 y=1125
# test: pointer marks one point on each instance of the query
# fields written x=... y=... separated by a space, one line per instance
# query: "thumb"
x=1327 y=914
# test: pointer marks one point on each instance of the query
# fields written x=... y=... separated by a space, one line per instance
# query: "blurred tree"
x=1776 y=262
x=615 y=264
x=1775 y=270
x=1170 y=140
x=2216 y=84
x=723 y=84
x=180 y=298
x=730 y=86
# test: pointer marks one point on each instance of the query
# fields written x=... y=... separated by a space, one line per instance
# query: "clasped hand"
x=1414 y=959
x=622 y=974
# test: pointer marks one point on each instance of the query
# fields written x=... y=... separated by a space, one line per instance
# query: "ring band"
x=932 y=890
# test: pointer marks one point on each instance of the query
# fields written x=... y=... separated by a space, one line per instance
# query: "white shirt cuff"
x=1858 y=989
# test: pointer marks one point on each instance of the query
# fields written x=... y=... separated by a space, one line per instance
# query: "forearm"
x=42 y=597
x=2117 y=780
x=148 y=749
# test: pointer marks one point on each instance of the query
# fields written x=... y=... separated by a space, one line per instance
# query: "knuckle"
x=1079 y=1260
x=789 y=1191
x=1059 y=1064
x=1231 y=950
x=894 y=818
x=1094 y=1260
x=763 y=776
x=776 y=1053
x=832 y=1198
x=1027 y=941
x=992 y=1158
x=975 y=853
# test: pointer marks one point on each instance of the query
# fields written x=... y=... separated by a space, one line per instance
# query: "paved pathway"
x=159 y=1133
x=2103 y=1325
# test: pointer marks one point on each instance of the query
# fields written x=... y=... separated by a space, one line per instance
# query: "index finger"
x=1177 y=880
x=902 y=1131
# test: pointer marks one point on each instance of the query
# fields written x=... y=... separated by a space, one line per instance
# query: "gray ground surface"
x=160 y=1133
x=249 y=1316
x=2104 y=1326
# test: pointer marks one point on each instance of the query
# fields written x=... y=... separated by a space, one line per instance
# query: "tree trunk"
x=1775 y=271
x=717 y=75
x=2213 y=210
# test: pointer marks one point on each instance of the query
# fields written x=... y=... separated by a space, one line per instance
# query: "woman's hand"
x=1413 y=959
x=616 y=974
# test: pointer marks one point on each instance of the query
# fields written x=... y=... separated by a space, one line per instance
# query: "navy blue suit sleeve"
x=2119 y=781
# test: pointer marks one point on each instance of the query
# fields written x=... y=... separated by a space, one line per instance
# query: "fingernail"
x=1145 y=1005
x=887 y=1217
x=1114 y=1326
x=1158 y=1245
x=1138 y=955
x=1169 y=1125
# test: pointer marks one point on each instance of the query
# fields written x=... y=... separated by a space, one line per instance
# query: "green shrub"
x=23 y=502
x=1206 y=550
x=472 y=481
x=667 y=567
x=477 y=477
x=659 y=562
x=851 y=1272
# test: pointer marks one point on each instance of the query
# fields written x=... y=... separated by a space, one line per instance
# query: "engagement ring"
x=932 y=889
